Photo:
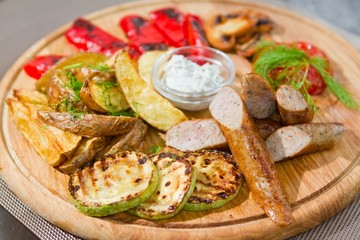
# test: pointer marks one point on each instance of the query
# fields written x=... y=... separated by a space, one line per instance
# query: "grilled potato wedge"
x=86 y=152
x=218 y=179
x=176 y=184
x=150 y=106
x=146 y=63
x=61 y=96
x=31 y=96
x=84 y=58
x=107 y=95
x=87 y=125
x=52 y=144
x=129 y=141
x=113 y=184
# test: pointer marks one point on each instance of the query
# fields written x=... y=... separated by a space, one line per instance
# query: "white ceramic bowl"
x=193 y=101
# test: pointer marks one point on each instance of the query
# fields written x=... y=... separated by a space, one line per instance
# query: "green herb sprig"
x=154 y=149
x=295 y=65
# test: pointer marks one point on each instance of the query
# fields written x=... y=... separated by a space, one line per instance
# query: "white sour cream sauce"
x=185 y=75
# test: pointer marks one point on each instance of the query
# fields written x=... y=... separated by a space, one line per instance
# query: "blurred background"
x=19 y=18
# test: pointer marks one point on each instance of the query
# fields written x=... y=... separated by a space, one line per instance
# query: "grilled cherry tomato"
x=170 y=22
x=88 y=37
x=142 y=34
x=316 y=84
x=39 y=65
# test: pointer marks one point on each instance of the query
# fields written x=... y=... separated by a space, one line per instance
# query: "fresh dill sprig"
x=339 y=91
x=283 y=64
x=74 y=84
x=103 y=67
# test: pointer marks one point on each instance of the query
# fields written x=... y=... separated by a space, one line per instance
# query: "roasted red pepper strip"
x=88 y=37
x=170 y=22
x=194 y=31
x=142 y=34
x=39 y=65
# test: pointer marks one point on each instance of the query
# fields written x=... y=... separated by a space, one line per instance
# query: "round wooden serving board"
x=319 y=185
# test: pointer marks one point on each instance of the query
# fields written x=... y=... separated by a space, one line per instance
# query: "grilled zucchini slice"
x=176 y=184
x=218 y=182
x=113 y=184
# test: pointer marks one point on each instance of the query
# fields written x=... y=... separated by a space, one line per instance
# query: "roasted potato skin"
x=85 y=153
x=53 y=145
x=60 y=96
x=88 y=100
x=88 y=125
x=85 y=58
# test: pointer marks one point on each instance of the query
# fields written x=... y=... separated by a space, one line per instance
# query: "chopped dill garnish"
x=102 y=67
x=75 y=65
x=154 y=149
x=74 y=84
x=127 y=113
x=108 y=84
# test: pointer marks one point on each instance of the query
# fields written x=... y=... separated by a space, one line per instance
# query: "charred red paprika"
x=39 y=65
x=142 y=34
x=88 y=37
x=194 y=31
x=170 y=22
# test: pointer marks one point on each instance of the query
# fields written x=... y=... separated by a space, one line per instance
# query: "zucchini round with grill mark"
x=113 y=184
x=176 y=184
x=218 y=182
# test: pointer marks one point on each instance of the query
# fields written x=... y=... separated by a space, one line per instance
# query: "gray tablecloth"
x=23 y=22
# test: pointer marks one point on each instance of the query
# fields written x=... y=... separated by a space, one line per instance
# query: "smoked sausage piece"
x=292 y=106
x=251 y=154
x=296 y=140
x=258 y=95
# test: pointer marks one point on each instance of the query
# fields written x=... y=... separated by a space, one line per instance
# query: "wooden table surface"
x=33 y=26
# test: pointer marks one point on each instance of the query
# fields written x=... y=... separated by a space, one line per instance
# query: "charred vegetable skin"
x=113 y=184
x=87 y=125
x=218 y=179
x=170 y=22
x=37 y=66
x=194 y=31
x=176 y=184
x=142 y=34
x=238 y=31
x=88 y=37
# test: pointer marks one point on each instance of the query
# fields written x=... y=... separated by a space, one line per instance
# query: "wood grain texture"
x=319 y=185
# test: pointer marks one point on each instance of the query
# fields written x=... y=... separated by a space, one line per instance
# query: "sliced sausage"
x=266 y=127
x=200 y=134
x=194 y=135
x=296 y=140
x=251 y=154
x=292 y=106
x=258 y=95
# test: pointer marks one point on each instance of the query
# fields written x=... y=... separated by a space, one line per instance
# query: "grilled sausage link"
x=251 y=155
